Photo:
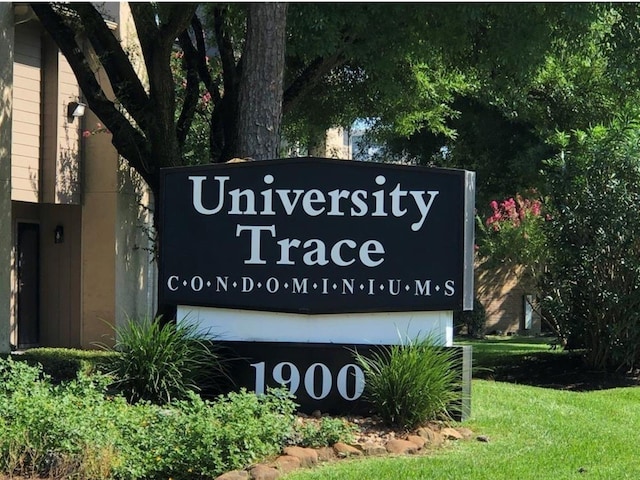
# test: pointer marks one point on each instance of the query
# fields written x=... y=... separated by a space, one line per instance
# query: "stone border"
x=294 y=457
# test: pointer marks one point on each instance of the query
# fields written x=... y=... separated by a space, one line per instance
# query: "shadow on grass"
x=537 y=362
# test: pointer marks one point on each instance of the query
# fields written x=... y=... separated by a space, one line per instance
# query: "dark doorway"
x=28 y=254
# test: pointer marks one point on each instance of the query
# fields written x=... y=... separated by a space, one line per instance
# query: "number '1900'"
x=288 y=375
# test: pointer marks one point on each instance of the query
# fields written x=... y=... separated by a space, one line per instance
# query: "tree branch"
x=309 y=77
x=225 y=47
x=126 y=84
x=157 y=40
x=203 y=71
x=145 y=20
x=190 y=64
x=129 y=142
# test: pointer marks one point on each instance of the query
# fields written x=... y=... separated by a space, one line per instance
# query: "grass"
x=535 y=433
x=498 y=350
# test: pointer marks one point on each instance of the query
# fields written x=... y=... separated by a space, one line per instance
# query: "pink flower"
x=536 y=207
x=496 y=217
x=86 y=134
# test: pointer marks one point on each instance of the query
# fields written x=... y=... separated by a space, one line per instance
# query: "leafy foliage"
x=410 y=384
x=201 y=439
x=41 y=432
x=64 y=364
x=514 y=234
x=324 y=432
x=74 y=430
x=593 y=282
x=473 y=321
x=161 y=362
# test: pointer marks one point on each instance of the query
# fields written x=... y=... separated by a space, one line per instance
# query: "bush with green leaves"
x=410 y=384
x=63 y=364
x=49 y=430
x=195 y=438
x=324 y=432
x=592 y=284
x=161 y=362
x=75 y=430
x=472 y=321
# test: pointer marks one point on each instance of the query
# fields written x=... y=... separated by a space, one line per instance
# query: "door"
x=28 y=256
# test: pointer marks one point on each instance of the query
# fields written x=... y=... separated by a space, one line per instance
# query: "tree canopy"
x=583 y=73
x=492 y=87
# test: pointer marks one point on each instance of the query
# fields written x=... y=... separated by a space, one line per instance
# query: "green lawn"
x=535 y=433
x=498 y=350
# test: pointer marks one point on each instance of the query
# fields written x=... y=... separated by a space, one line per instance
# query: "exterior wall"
x=118 y=275
x=59 y=272
x=135 y=263
x=61 y=134
x=502 y=293
x=6 y=104
x=334 y=144
x=98 y=238
x=136 y=272
x=337 y=143
x=60 y=276
x=102 y=272
x=27 y=212
x=25 y=156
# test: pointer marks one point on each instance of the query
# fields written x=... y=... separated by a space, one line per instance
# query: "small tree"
x=593 y=281
x=514 y=235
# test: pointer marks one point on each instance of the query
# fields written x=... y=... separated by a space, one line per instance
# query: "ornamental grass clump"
x=413 y=383
x=162 y=362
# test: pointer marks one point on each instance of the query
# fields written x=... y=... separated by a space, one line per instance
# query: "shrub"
x=325 y=432
x=593 y=277
x=163 y=362
x=410 y=384
x=196 y=438
x=472 y=321
x=64 y=364
x=41 y=431
x=74 y=430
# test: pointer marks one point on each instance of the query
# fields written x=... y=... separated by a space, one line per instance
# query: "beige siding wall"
x=25 y=157
x=333 y=144
x=61 y=135
x=69 y=132
x=337 y=143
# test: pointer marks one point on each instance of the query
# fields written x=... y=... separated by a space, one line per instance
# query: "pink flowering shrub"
x=513 y=212
x=513 y=233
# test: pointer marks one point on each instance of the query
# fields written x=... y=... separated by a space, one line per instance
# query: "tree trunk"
x=261 y=85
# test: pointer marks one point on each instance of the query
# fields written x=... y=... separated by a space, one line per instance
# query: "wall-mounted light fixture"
x=75 y=109
x=58 y=234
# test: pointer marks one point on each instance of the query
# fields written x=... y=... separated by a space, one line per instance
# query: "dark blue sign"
x=313 y=235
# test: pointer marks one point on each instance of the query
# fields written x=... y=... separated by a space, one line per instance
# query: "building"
x=508 y=300
x=75 y=254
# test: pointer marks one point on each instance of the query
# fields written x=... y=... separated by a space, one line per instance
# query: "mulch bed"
x=564 y=371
